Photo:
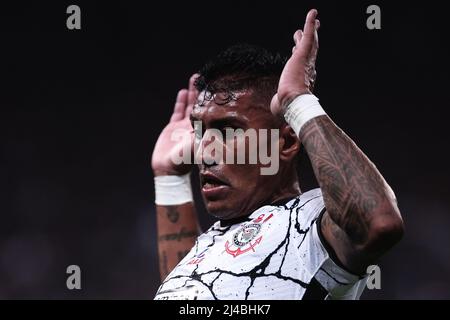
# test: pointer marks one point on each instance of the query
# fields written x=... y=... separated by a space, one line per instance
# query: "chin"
x=220 y=209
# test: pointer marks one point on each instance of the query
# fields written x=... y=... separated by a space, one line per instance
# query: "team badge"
x=247 y=237
x=246 y=234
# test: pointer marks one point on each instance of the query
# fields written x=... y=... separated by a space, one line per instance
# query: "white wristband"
x=301 y=110
x=173 y=190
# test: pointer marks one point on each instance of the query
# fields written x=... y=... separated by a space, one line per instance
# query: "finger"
x=315 y=46
x=309 y=28
x=297 y=38
x=275 y=104
x=193 y=92
x=180 y=105
x=192 y=95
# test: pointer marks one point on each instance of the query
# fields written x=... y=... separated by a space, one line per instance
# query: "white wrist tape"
x=301 y=110
x=173 y=190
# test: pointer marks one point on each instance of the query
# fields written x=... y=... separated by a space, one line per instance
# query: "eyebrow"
x=223 y=121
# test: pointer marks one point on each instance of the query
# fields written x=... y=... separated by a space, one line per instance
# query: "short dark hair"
x=241 y=67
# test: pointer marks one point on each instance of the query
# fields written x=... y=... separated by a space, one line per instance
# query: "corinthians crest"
x=246 y=238
x=246 y=234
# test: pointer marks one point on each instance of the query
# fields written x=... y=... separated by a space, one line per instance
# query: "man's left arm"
x=362 y=220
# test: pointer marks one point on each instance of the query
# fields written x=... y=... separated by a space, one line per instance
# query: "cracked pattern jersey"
x=278 y=252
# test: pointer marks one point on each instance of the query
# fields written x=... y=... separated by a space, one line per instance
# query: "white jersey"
x=278 y=252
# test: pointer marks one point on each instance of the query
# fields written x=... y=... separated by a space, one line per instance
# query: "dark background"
x=81 y=111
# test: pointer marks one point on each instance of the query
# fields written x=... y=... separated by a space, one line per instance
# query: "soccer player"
x=271 y=241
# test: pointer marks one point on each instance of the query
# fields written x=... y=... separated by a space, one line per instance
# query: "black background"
x=81 y=111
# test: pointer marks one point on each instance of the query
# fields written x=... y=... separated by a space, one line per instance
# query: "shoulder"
x=308 y=205
x=311 y=195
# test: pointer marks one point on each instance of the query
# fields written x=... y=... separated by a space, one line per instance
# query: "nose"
x=210 y=148
x=208 y=162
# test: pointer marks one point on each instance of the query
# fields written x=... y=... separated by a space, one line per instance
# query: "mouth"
x=213 y=187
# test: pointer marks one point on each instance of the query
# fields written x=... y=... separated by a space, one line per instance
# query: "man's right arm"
x=177 y=231
x=177 y=223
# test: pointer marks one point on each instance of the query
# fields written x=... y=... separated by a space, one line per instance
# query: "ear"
x=289 y=143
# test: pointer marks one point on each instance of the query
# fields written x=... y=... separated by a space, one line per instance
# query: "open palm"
x=299 y=73
x=166 y=147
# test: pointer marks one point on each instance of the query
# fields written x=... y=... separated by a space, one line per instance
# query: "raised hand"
x=166 y=148
x=299 y=73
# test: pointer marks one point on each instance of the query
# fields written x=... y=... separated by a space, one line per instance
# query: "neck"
x=288 y=193
x=287 y=188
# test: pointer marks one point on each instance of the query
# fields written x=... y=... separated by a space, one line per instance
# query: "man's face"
x=231 y=190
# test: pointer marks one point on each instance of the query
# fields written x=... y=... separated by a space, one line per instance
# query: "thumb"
x=275 y=107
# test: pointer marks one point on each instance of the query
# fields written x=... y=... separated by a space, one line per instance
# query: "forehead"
x=238 y=104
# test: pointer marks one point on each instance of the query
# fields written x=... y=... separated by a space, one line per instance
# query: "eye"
x=228 y=128
x=232 y=131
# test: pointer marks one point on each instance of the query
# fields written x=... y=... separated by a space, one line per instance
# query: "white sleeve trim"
x=340 y=283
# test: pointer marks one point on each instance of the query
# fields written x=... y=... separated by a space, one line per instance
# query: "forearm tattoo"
x=351 y=185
